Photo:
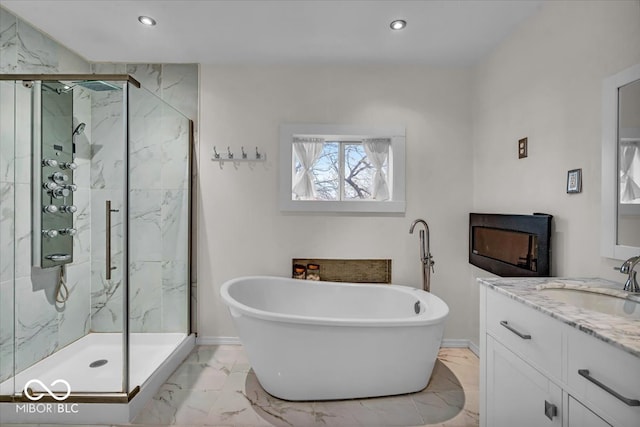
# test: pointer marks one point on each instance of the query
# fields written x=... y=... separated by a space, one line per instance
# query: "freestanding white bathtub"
x=321 y=341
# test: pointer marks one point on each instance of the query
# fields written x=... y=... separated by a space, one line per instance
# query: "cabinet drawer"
x=612 y=368
x=532 y=335
x=581 y=416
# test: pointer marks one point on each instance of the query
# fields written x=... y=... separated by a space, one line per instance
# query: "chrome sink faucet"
x=631 y=285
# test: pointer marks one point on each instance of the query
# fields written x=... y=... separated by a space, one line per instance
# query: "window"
x=342 y=168
x=342 y=171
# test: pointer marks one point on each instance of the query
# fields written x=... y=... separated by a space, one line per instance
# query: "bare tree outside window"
x=358 y=173
x=342 y=172
x=327 y=174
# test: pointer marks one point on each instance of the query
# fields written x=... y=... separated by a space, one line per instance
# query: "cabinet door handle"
x=631 y=402
x=512 y=329
x=550 y=410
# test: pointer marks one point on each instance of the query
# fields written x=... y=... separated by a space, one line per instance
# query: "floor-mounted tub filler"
x=310 y=340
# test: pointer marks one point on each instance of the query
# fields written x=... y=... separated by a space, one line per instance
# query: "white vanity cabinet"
x=538 y=371
x=522 y=350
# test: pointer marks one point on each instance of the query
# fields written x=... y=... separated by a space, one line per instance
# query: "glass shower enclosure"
x=94 y=236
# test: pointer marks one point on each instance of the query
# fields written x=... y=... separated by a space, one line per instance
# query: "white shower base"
x=147 y=351
x=152 y=358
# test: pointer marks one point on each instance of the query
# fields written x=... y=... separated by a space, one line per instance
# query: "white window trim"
x=343 y=133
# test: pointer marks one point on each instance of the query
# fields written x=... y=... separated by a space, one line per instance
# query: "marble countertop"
x=620 y=332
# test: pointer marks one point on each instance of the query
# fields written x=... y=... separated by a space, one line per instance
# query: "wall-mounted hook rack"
x=229 y=156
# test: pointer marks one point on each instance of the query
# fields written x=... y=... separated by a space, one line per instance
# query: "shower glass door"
x=106 y=151
x=158 y=174
x=62 y=323
x=94 y=235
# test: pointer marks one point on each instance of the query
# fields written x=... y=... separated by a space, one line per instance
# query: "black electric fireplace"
x=511 y=245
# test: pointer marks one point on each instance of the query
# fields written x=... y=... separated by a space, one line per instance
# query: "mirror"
x=621 y=165
x=628 y=230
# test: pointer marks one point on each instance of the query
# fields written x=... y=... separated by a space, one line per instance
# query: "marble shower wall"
x=107 y=181
x=158 y=209
x=175 y=84
x=40 y=327
x=158 y=166
x=24 y=49
x=7 y=227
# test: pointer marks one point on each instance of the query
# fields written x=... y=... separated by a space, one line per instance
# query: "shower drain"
x=98 y=363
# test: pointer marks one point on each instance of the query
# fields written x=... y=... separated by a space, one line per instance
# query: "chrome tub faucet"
x=425 y=253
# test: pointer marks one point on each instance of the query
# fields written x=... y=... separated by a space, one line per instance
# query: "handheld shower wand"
x=79 y=129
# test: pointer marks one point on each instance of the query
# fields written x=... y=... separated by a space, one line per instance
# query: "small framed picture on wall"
x=574 y=181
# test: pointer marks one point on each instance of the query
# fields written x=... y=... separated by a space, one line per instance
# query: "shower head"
x=98 y=85
x=79 y=129
x=94 y=85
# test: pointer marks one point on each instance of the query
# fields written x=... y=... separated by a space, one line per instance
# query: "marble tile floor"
x=215 y=386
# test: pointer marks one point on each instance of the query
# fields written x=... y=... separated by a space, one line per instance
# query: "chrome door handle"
x=631 y=402
x=512 y=329
x=107 y=233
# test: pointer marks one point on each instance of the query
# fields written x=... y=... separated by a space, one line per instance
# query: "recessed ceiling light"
x=147 y=20
x=398 y=24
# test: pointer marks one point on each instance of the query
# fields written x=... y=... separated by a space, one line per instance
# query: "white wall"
x=545 y=83
x=240 y=228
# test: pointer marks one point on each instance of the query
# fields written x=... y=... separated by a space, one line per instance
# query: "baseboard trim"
x=218 y=340
x=461 y=343
x=474 y=348
x=450 y=343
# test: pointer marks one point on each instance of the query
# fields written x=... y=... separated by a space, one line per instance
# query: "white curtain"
x=307 y=150
x=377 y=150
x=629 y=172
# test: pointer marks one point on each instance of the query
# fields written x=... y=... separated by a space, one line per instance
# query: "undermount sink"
x=590 y=300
